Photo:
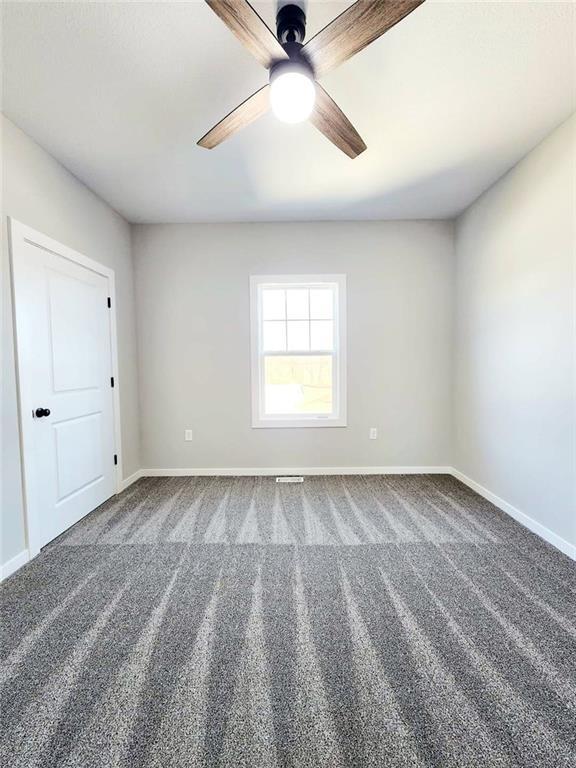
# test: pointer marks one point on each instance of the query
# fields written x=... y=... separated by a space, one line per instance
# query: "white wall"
x=39 y=192
x=515 y=392
x=192 y=287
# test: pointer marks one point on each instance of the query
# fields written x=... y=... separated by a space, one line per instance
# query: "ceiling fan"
x=293 y=92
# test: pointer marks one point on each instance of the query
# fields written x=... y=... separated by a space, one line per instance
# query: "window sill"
x=317 y=423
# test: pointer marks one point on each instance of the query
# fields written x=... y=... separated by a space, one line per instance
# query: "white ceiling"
x=446 y=101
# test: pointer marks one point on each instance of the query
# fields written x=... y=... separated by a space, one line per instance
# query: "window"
x=298 y=351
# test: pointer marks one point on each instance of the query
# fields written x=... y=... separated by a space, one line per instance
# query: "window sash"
x=309 y=332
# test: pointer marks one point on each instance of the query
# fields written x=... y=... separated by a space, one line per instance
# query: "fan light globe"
x=292 y=97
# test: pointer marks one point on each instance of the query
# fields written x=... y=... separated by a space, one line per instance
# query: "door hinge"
x=111 y=381
x=109 y=302
x=115 y=458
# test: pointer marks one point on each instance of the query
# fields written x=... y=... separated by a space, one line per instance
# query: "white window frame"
x=259 y=418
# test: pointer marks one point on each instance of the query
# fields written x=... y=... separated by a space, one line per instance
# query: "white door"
x=64 y=352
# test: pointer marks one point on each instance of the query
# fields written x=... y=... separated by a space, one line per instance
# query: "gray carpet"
x=348 y=621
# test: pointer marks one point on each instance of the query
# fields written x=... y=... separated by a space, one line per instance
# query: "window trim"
x=259 y=420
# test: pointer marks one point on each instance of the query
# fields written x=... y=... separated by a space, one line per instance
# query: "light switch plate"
x=188 y=435
x=373 y=433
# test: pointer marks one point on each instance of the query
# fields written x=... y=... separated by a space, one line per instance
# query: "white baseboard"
x=14 y=564
x=251 y=471
x=528 y=522
x=127 y=482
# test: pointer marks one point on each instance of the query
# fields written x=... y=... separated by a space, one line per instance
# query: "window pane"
x=321 y=303
x=274 y=337
x=298 y=384
x=321 y=334
x=298 y=335
x=297 y=304
x=273 y=304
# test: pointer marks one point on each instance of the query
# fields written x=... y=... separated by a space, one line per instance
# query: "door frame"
x=18 y=235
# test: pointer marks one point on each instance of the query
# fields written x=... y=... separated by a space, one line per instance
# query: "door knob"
x=42 y=412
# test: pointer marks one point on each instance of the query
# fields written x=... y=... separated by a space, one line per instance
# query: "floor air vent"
x=290 y=479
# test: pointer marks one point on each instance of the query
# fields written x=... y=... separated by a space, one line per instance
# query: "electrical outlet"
x=188 y=435
x=373 y=433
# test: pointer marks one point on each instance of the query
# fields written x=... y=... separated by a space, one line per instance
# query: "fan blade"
x=355 y=28
x=333 y=123
x=251 y=109
x=243 y=21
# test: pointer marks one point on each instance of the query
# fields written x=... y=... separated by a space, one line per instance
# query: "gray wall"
x=39 y=192
x=496 y=369
x=192 y=287
x=515 y=406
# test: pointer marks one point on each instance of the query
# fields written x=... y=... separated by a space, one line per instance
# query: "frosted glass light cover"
x=292 y=97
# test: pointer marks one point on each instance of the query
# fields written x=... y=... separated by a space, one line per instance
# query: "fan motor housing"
x=296 y=63
x=291 y=24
